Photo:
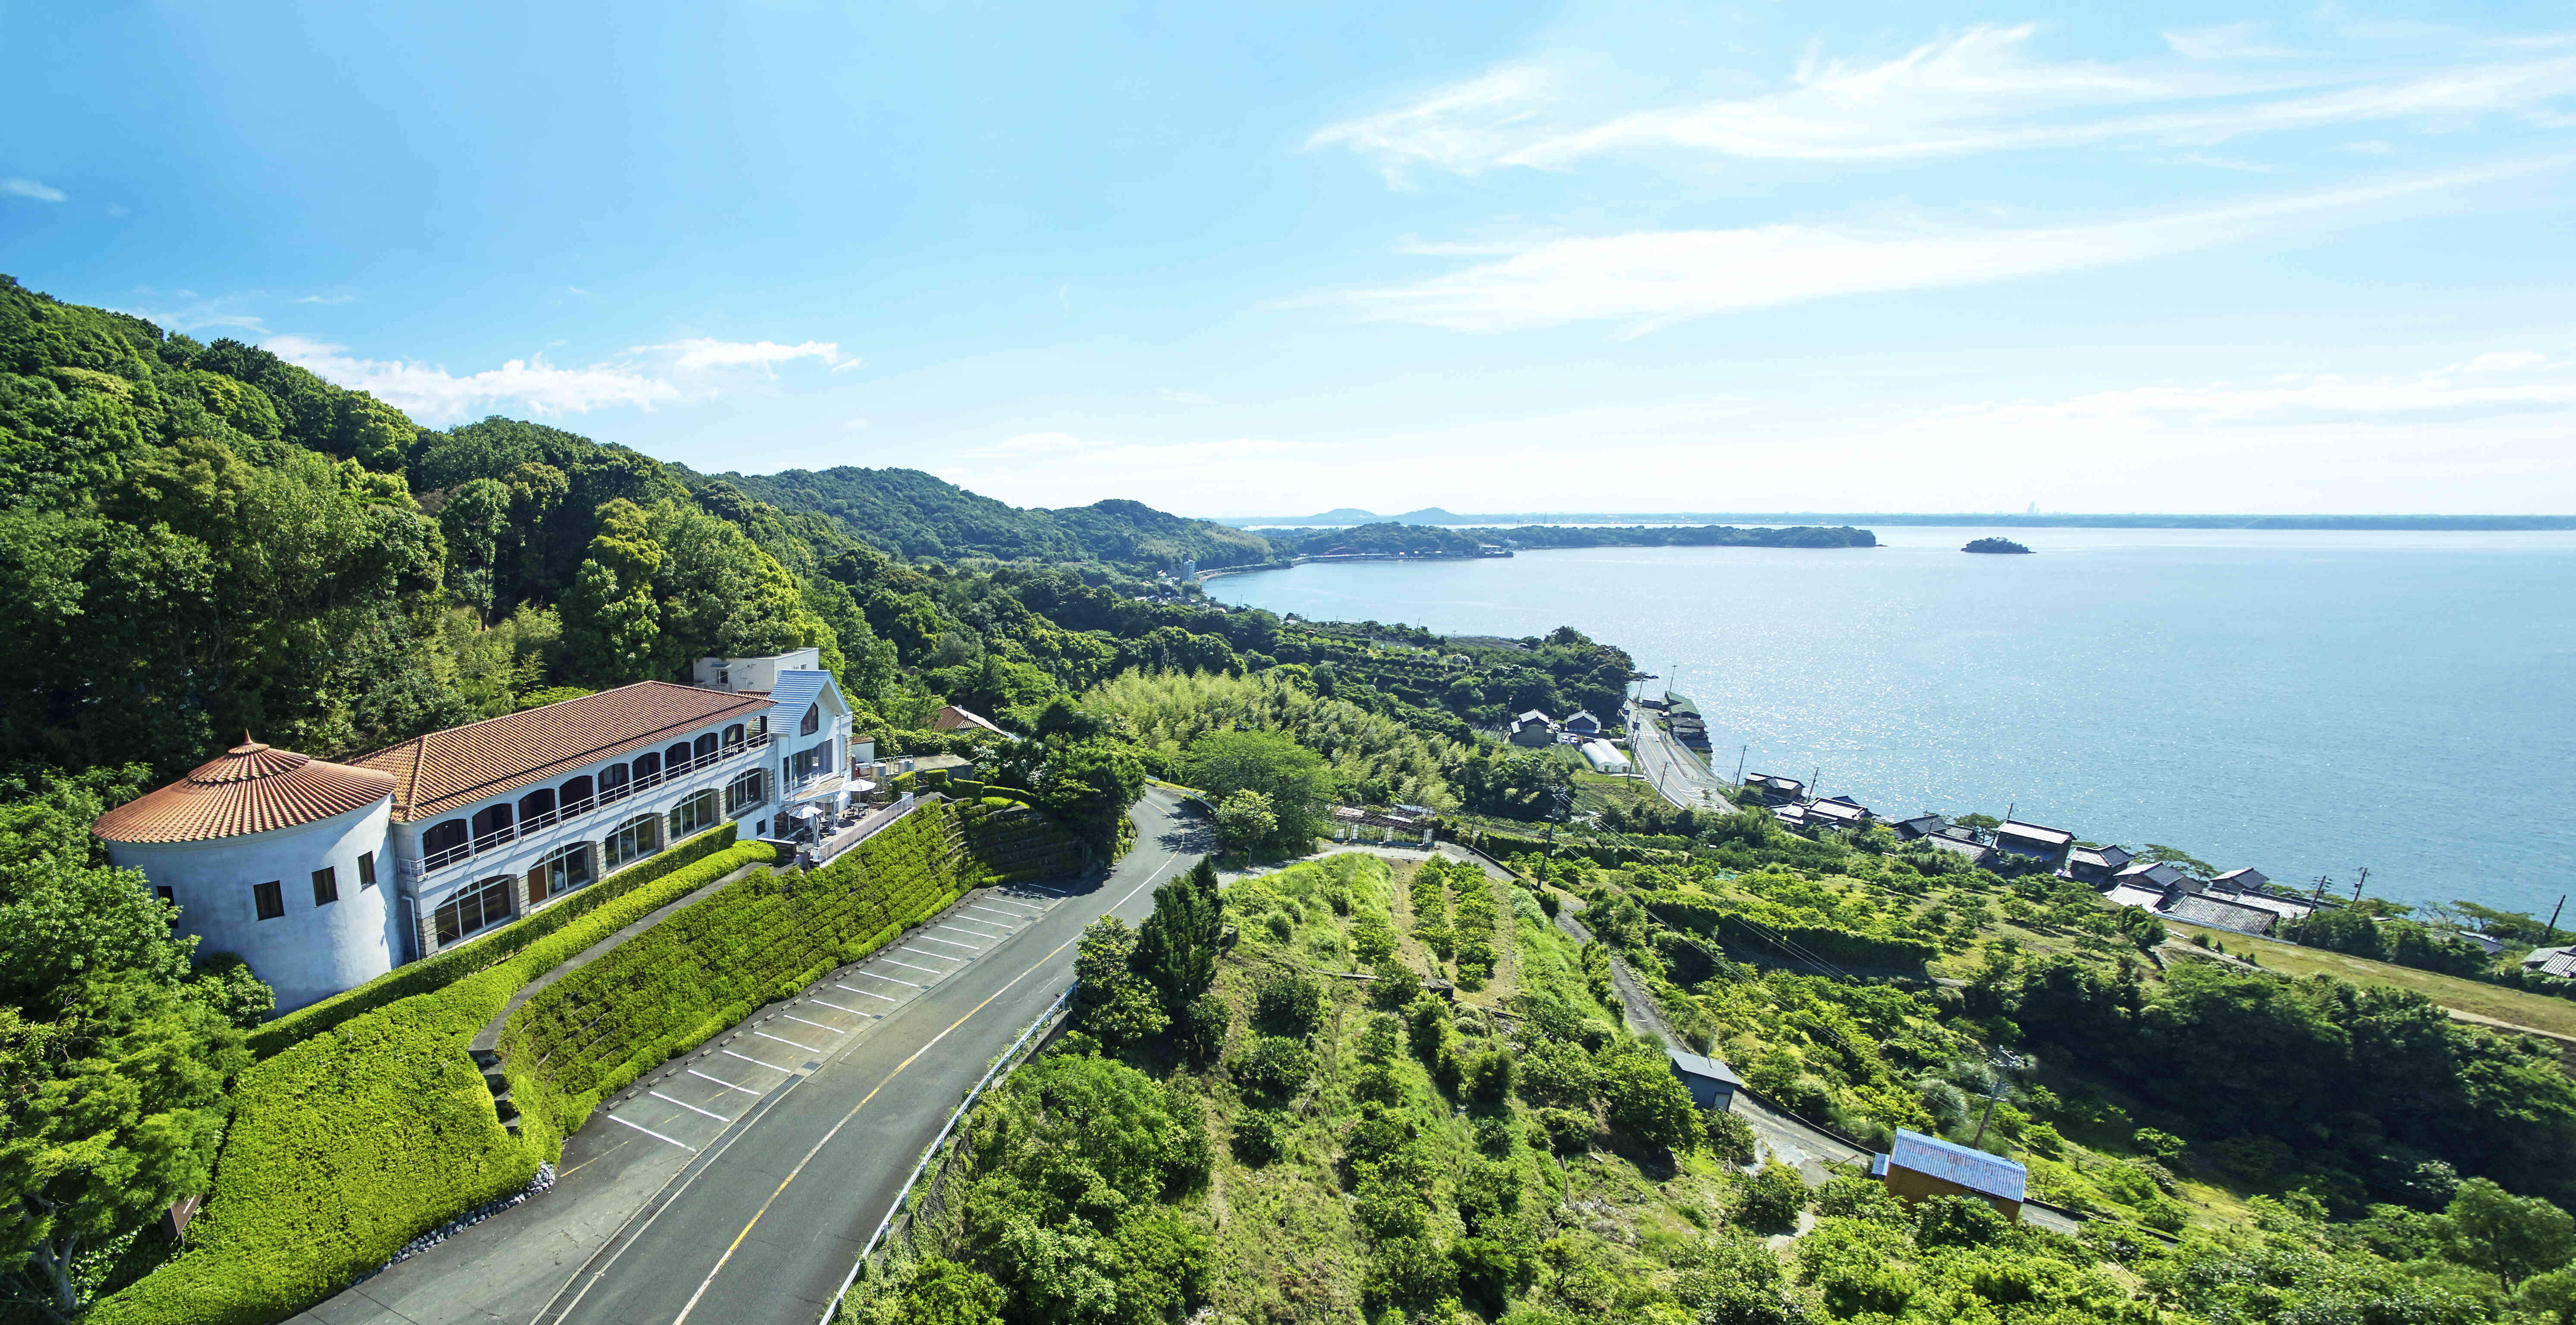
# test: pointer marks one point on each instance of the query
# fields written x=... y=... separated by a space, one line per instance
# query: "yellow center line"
x=736 y=1244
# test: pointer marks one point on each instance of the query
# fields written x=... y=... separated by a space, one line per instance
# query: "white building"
x=325 y=875
x=1604 y=757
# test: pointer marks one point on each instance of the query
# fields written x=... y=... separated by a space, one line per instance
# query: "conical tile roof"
x=253 y=788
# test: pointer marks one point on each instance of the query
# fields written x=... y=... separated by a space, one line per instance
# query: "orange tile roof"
x=452 y=769
x=252 y=789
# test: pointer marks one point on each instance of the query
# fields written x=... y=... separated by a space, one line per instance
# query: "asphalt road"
x=1679 y=775
x=740 y=1183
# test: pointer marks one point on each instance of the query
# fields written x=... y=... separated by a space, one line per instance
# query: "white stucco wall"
x=312 y=951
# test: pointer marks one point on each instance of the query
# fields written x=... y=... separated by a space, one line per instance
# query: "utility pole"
x=2324 y=881
x=2357 y=885
x=2002 y=1062
x=1742 y=752
x=2553 y=919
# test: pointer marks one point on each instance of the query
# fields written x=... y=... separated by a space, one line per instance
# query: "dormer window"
x=813 y=720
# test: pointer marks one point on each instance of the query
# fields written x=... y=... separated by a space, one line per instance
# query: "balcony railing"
x=571 y=810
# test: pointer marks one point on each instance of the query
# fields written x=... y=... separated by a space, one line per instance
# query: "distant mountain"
x=1428 y=515
x=919 y=515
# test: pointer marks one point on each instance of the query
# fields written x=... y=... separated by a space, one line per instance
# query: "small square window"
x=366 y=869
x=326 y=886
x=269 y=898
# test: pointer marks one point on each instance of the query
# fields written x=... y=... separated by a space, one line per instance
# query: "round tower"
x=277 y=857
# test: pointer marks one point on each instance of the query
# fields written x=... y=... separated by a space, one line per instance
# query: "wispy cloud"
x=32 y=191
x=433 y=393
x=1979 y=91
x=327 y=299
x=1656 y=277
x=646 y=377
x=699 y=353
x=2489 y=386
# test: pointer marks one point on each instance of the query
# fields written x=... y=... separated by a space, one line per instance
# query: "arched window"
x=633 y=840
x=446 y=836
x=492 y=820
x=565 y=868
x=733 y=736
x=475 y=908
x=648 y=769
x=536 y=804
x=676 y=758
x=575 y=795
x=695 y=813
x=743 y=793
x=813 y=720
x=706 y=745
x=612 y=779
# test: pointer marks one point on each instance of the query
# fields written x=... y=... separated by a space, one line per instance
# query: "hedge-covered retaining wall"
x=1500 y=845
x=661 y=993
x=1731 y=930
x=349 y=1143
x=483 y=953
x=1017 y=843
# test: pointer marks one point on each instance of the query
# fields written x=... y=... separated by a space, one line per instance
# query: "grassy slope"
x=2519 y=1007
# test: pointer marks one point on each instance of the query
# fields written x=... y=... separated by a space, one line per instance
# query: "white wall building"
x=323 y=876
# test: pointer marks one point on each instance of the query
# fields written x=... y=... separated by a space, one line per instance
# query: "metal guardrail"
x=1002 y=1066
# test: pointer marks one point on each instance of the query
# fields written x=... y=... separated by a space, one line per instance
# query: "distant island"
x=1994 y=545
x=1347 y=516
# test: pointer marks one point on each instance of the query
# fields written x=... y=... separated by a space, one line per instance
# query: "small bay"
x=2302 y=702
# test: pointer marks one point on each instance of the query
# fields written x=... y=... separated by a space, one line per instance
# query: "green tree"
x=1645 y=1099
x=611 y=622
x=474 y=522
x=2514 y=1237
x=1116 y=1004
x=946 y=1293
x=1245 y=822
x=1176 y=946
x=1293 y=778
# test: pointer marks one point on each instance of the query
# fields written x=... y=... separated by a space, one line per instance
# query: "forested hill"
x=918 y=515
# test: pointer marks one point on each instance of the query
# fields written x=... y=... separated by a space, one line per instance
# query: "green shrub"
x=1274 y=1065
x=485 y=952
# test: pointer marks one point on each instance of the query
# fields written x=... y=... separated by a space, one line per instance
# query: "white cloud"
x=699 y=353
x=2505 y=361
x=1656 y=277
x=433 y=393
x=32 y=191
x=1979 y=91
x=327 y=299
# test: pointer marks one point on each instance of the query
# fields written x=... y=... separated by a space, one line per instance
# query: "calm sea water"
x=2302 y=702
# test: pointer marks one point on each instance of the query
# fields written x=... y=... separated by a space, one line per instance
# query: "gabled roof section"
x=2056 y=837
x=797 y=689
x=253 y=788
x=453 y=769
x=1992 y=1175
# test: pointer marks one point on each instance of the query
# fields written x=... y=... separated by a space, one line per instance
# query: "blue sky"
x=1493 y=257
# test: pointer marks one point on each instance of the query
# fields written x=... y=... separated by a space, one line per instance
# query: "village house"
x=1582 y=724
x=2559 y=962
x=1917 y=1167
x=2048 y=846
x=1965 y=848
x=324 y=875
x=2096 y=865
x=2153 y=875
x=1533 y=728
x=2218 y=913
x=2242 y=881
x=1921 y=825
x=953 y=718
x=1837 y=812
x=1775 y=789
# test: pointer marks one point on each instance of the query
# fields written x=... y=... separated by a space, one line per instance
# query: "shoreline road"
x=740 y=1181
x=1675 y=773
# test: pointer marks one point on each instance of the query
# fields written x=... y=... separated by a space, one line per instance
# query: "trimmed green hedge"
x=349 y=1143
x=465 y=959
x=663 y=992
x=1730 y=929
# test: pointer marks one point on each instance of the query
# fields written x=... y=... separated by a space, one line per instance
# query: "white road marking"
x=806 y=1047
x=688 y=1106
x=816 y=1024
x=874 y=976
x=838 y=1008
x=1019 y=915
x=950 y=943
x=975 y=933
x=863 y=993
x=933 y=971
x=653 y=1134
x=748 y=1059
x=724 y=1083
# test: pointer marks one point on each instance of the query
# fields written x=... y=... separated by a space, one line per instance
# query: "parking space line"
x=653 y=1134
x=724 y=1083
x=933 y=971
x=771 y=1066
x=865 y=994
x=1020 y=915
x=896 y=979
x=852 y=1011
x=947 y=943
x=806 y=1047
x=974 y=933
x=815 y=1024
x=688 y=1106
